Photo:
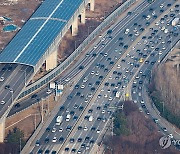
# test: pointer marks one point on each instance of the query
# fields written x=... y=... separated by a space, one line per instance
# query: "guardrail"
x=54 y=73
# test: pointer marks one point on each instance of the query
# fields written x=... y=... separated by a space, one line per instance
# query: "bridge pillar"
x=91 y=5
x=83 y=13
x=75 y=26
x=51 y=61
x=2 y=130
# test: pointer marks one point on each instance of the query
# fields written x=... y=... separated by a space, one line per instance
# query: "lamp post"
x=42 y=110
x=11 y=91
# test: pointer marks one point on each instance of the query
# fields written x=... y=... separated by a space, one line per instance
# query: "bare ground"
x=143 y=139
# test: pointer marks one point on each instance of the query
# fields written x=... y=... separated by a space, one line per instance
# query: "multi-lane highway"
x=144 y=44
x=13 y=78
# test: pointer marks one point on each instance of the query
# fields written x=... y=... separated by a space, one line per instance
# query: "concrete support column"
x=91 y=5
x=2 y=130
x=83 y=14
x=75 y=26
x=51 y=61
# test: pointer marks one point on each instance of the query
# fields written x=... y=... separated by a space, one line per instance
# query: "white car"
x=85 y=128
x=95 y=46
x=92 y=72
x=142 y=102
x=97 y=73
x=118 y=66
x=110 y=98
x=48 y=91
x=170 y=135
x=2 y=79
x=60 y=129
x=98 y=131
x=54 y=139
x=3 y=102
x=67 y=79
x=105 y=95
x=103 y=111
x=53 y=130
x=105 y=55
x=135 y=101
x=110 y=77
x=82 y=86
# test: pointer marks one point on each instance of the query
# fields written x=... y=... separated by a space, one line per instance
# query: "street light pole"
x=42 y=101
x=11 y=91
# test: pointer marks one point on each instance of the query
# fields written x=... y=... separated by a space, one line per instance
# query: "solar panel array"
x=33 y=40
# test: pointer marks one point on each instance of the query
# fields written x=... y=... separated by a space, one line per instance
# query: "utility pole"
x=42 y=103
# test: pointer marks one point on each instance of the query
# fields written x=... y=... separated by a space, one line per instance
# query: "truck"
x=91 y=118
x=68 y=117
x=175 y=21
x=59 y=120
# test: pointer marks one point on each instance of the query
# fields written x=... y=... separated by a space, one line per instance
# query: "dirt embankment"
x=143 y=139
x=166 y=80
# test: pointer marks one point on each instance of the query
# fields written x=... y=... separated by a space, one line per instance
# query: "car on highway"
x=3 y=102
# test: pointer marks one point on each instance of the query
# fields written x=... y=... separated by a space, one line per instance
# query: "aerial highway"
x=125 y=50
x=14 y=79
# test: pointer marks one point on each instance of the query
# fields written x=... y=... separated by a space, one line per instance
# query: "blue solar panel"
x=32 y=41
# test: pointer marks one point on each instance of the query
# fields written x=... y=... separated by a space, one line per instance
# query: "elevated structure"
x=38 y=40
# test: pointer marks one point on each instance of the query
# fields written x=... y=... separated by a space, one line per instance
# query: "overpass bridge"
x=37 y=42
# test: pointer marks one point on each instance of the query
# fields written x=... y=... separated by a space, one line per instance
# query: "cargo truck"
x=175 y=21
x=59 y=120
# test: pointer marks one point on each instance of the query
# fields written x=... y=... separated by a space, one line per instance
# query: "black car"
x=4 y=69
x=121 y=38
x=61 y=108
x=79 y=140
x=48 y=129
x=93 y=89
x=76 y=86
x=81 y=108
x=90 y=110
x=47 y=151
x=71 y=140
x=98 y=108
x=97 y=82
x=81 y=67
x=79 y=127
x=53 y=152
x=17 y=105
x=66 y=149
x=93 y=129
x=68 y=128
x=75 y=117
x=61 y=139
x=72 y=113
x=73 y=150
x=100 y=77
x=34 y=96
x=40 y=151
